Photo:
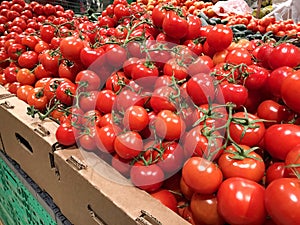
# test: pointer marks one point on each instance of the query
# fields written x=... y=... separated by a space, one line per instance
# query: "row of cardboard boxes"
x=83 y=195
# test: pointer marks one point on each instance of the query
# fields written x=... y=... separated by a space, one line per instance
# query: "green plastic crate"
x=17 y=205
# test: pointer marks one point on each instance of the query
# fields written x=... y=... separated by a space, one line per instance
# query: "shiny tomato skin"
x=276 y=78
x=65 y=134
x=136 y=118
x=149 y=178
x=219 y=37
x=201 y=175
x=172 y=23
x=169 y=125
x=166 y=198
x=250 y=166
x=287 y=137
x=284 y=54
x=242 y=134
x=241 y=202
x=290 y=91
x=204 y=209
x=128 y=145
x=275 y=171
x=239 y=55
x=282 y=201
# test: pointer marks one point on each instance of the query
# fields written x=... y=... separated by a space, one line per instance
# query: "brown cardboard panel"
x=113 y=202
x=23 y=140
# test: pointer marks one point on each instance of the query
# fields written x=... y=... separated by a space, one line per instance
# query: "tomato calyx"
x=232 y=73
x=177 y=10
x=240 y=153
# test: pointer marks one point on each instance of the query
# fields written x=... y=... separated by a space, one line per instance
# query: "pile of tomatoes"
x=207 y=125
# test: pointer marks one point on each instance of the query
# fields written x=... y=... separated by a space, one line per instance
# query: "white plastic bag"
x=224 y=8
x=286 y=9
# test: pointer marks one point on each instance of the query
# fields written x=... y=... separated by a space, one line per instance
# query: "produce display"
x=200 y=110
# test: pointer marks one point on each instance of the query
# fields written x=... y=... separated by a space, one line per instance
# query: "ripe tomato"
x=175 y=68
x=275 y=79
x=169 y=156
x=219 y=37
x=68 y=70
x=273 y=112
x=158 y=15
x=23 y=92
x=136 y=118
x=166 y=198
x=275 y=171
x=87 y=101
x=245 y=129
x=50 y=61
x=285 y=54
x=233 y=93
x=241 y=201
x=88 y=80
x=282 y=201
x=10 y=73
x=147 y=177
x=287 y=137
x=201 y=175
x=116 y=81
x=65 y=134
x=200 y=88
x=241 y=161
x=128 y=144
x=65 y=92
x=239 y=55
x=115 y=55
x=90 y=55
x=172 y=23
x=105 y=101
x=71 y=47
x=204 y=209
x=37 y=98
x=144 y=70
x=87 y=139
x=292 y=160
x=169 y=125
x=163 y=99
x=106 y=136
x=257 y=77
x=290 y=91
x=201 y=141
x=28 y=59
x=25 y=76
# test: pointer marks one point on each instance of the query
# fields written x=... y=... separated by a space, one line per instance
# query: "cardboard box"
x=83 y=195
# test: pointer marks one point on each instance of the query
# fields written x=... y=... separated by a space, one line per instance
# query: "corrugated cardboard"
x=82 y=194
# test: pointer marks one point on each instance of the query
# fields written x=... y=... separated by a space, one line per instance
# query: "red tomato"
x=89 y=55
x=169 y=156
x=245 y=129
x=65 y=134
x=204 y=209
x=169 y=125
x=194 y=24
x=275 y=79
x=116 y=81
x=282 y=201
x=285 y=54
x=175 y=68
x=201 y=175
x=273 y=112
x=37 y=99
x=105 y=101
x=163 y=99
x=241 y=202
x=158 y=15
x=88 y=80
x=136 y=118
x=28 y=59
x=287 y=137
x=23 y=92
x=239 y=55
x=275 y=171
x=65 y=93
x=200 y=88
x=234 y=93
x=25 y=76
x=201 y=141
x=257 y=77
x=128 y=145
x=71 y=47
x=241 y=161
x=292 y=160
x=219 y=37
x=172 y=23
x=290 y=91
x=166 y=198
x=115 y=55
x=149 y=178
x=106 y=136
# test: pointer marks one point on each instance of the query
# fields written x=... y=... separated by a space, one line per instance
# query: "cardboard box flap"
x=125 y=204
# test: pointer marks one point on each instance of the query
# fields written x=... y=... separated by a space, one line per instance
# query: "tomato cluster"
x=207 y=125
